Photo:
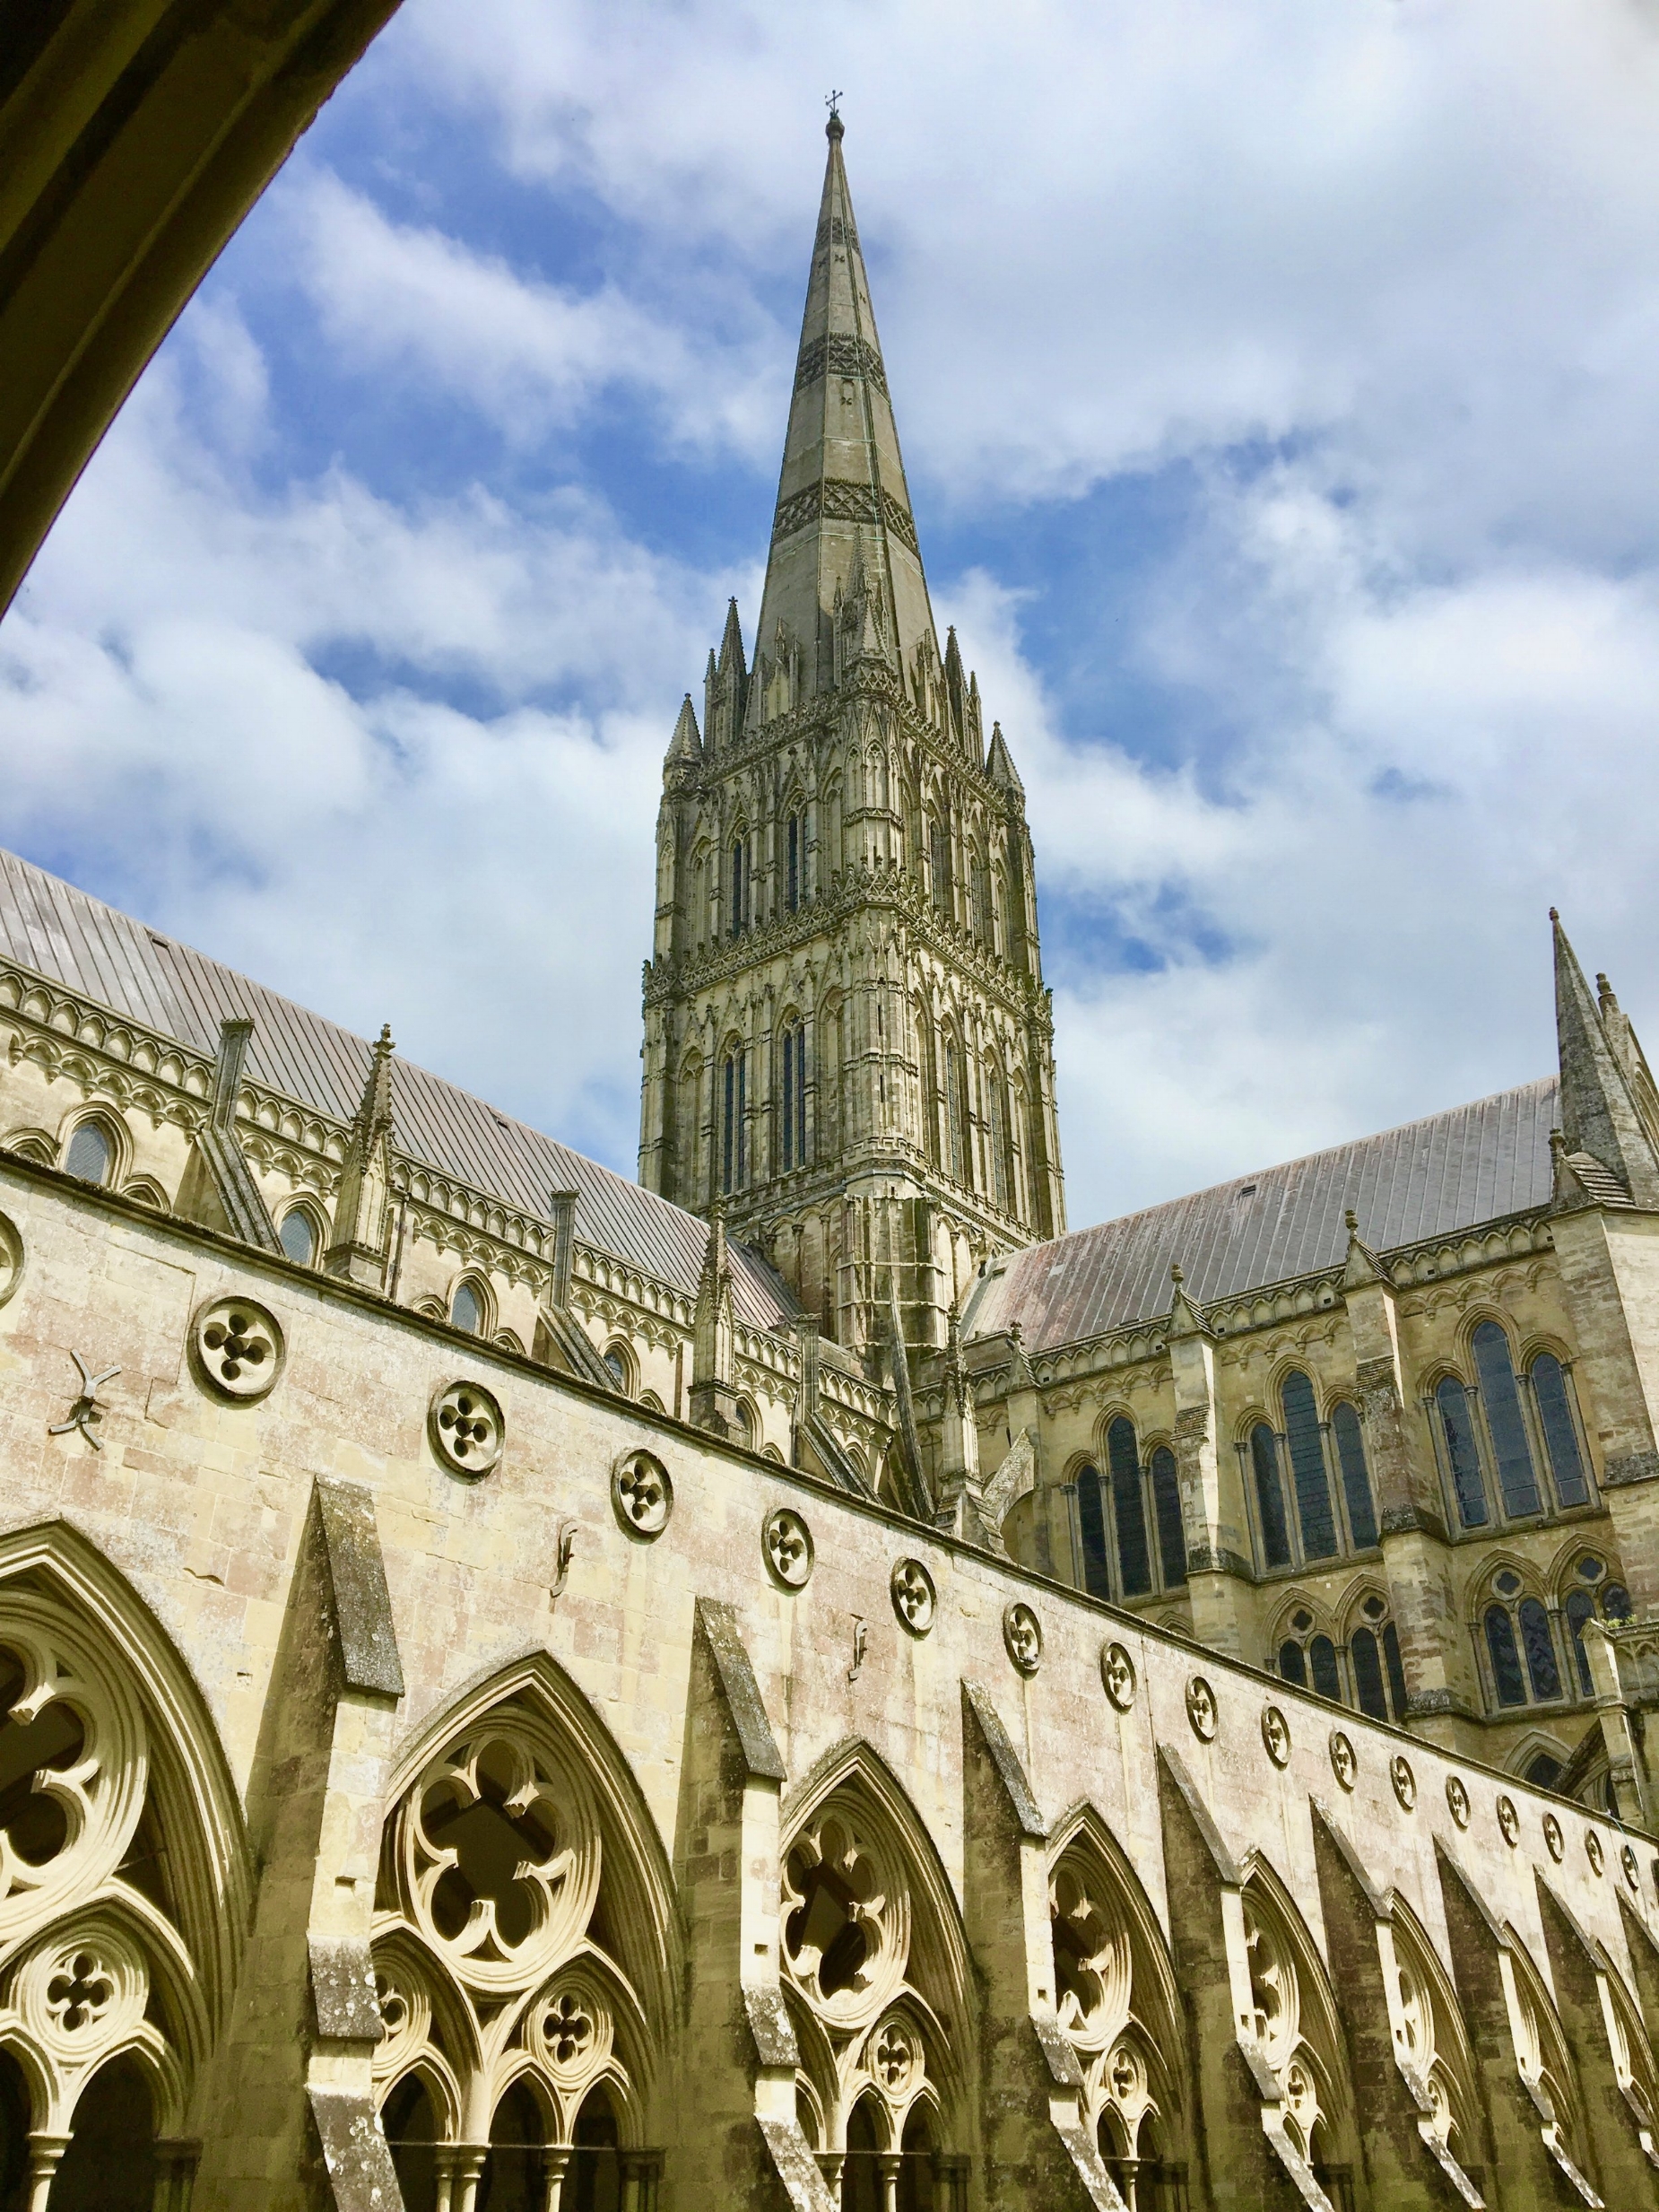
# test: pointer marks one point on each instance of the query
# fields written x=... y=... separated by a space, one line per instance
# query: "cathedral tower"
x=849 y=1046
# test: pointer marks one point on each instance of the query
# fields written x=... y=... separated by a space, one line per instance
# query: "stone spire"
x=1000 y=767
x=1600 y=1115
x=843 y=479
x=359 y=1249
x=685 y=748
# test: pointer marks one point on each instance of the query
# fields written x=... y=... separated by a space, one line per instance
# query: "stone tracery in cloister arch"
x=124 y=1880
x=524 y=1949
x=875 y=1975
x=1117 y=2004
x=1297 y=2029
x=1431 y=2043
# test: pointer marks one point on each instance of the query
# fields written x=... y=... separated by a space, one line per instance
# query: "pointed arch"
x=1298 y=2029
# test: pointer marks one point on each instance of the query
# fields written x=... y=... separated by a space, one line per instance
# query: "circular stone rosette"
x=1276 y=1734
x=1202 y=1709
x=1508 y=1820
x=1628 y=1860
x=466 y=1429
x=1457 y=1799
x=641 y=1494
x=11 y=1257
x=1117 y=1675
x=236 y=1347
x=786 y=1542
x=1405 y=1782
x=1344 y=1765
x=916 y=1601
x=1595 y=1851
x=1023 y=1634
x=1553 y=1838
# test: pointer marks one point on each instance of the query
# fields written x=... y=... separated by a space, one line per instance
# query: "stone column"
x=555 y=2166
x=46 y=2154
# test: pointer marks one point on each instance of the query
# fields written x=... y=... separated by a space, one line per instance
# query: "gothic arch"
x=557 y=1979
x=1116 y=1995
x=1298 y=2029
x=1431 y=2042
x=125 y=1907
x=875 y=1963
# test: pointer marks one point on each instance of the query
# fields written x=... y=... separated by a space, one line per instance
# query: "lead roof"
x=137 y=973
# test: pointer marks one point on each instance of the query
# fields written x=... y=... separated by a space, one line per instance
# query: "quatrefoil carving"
x=787 y=1543
x=500 y=1855
x=570 y=2029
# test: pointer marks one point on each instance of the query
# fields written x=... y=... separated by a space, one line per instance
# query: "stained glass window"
x=1517 y=1479
x=1092 y=1518
x=1367 y=1674
x=1269 y=1497
x=1555 y=1417
x=1322 y=1666
x=1135 y=1566
x=1167 y=1511
x=1356 y=1477
x=1307 y=1471
x=1505 y=1659
x=1396 y=1672
x=1293 y=1663
x=1462 y=1454
x=1539 y=1645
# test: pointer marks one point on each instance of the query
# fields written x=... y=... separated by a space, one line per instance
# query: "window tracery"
x=1591 y=1588
x=516 y=2051
x=1295 y=2031
x=1431 y=2045
x=1523 y=1663
x=877 y=2002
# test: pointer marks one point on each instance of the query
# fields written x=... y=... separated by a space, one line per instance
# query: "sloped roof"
x=136 y=972
x=1428 y=1178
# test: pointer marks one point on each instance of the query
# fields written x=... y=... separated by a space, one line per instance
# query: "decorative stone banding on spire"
x=835 y=499
x=838 y=355
x=835 y=231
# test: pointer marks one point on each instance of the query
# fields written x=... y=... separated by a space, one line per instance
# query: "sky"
x=1276 y=385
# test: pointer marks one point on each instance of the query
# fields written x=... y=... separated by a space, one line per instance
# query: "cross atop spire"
x=842 y=476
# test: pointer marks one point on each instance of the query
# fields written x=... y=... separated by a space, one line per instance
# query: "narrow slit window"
x=1517 y=1479
x=1555 y=1418
x=1166 y=1511
x=1500 y=1645
x=1322 y=1668
x=1092 y=1519
x=1269 y=1496
x=732 y=1086
x=1307 y=1469
x=1367 y=1674
x=739 y=886
x=792 y=866
x=1135 y=1567
x=1462 y=1458
x=1355 y=1476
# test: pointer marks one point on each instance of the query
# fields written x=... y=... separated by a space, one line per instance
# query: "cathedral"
x=802 y=1682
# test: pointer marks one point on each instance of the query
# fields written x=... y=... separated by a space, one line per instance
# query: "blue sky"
x=1275 y=382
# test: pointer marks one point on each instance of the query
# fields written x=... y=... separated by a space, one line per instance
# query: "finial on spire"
x=1554 y=915
x=834 y=127
x=1177 y=1272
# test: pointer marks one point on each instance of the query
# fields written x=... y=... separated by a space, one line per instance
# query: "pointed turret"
x=361 y=1214
x=1185 y=1319
x=1599 y=1117
x=842 y=471
x=725 y=687
x=956 y=697
x=1362 y=1265
x=1000 y=768
x=713 y=1353
x=685 y=748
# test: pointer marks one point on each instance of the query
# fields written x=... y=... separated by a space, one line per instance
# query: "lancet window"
x=298 y=1235
x=738 y=892
x=733 y=1111
x=795 y=861
x=875 y=1981
x=1365 y=1670
x=92 y=1152
x=1329 y=1485
x=1509 y=1440
x=792 y=1097
x=517 y=2057
x=1119 y=1512
x=1524 y=1667
x=1116 y=2003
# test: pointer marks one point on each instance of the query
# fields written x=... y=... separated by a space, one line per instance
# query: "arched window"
x=792 y=1101
x=1463 y=1455
x=981 y=895
x=1356 y=1477
x=1555 y=1418
x=1167 y=1512
x=1517 y=1630
x=1591 y=1591
x=1366 y=1660
x=298 y=1235
x=92 y=1153
x=939 y=853
x=1322 y=1668
x=1374 y=1657
x=1091 y=1525
x=1269 y=1497
x=1135 y=1566
x=1517 y=1480
x=1307 y=1657
x=1544 y=1771
x=1308 y=1470
x=955 y=1118
x=466 y=1308
x=997 y=1134
x=794 y=856
x=733 y=1112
